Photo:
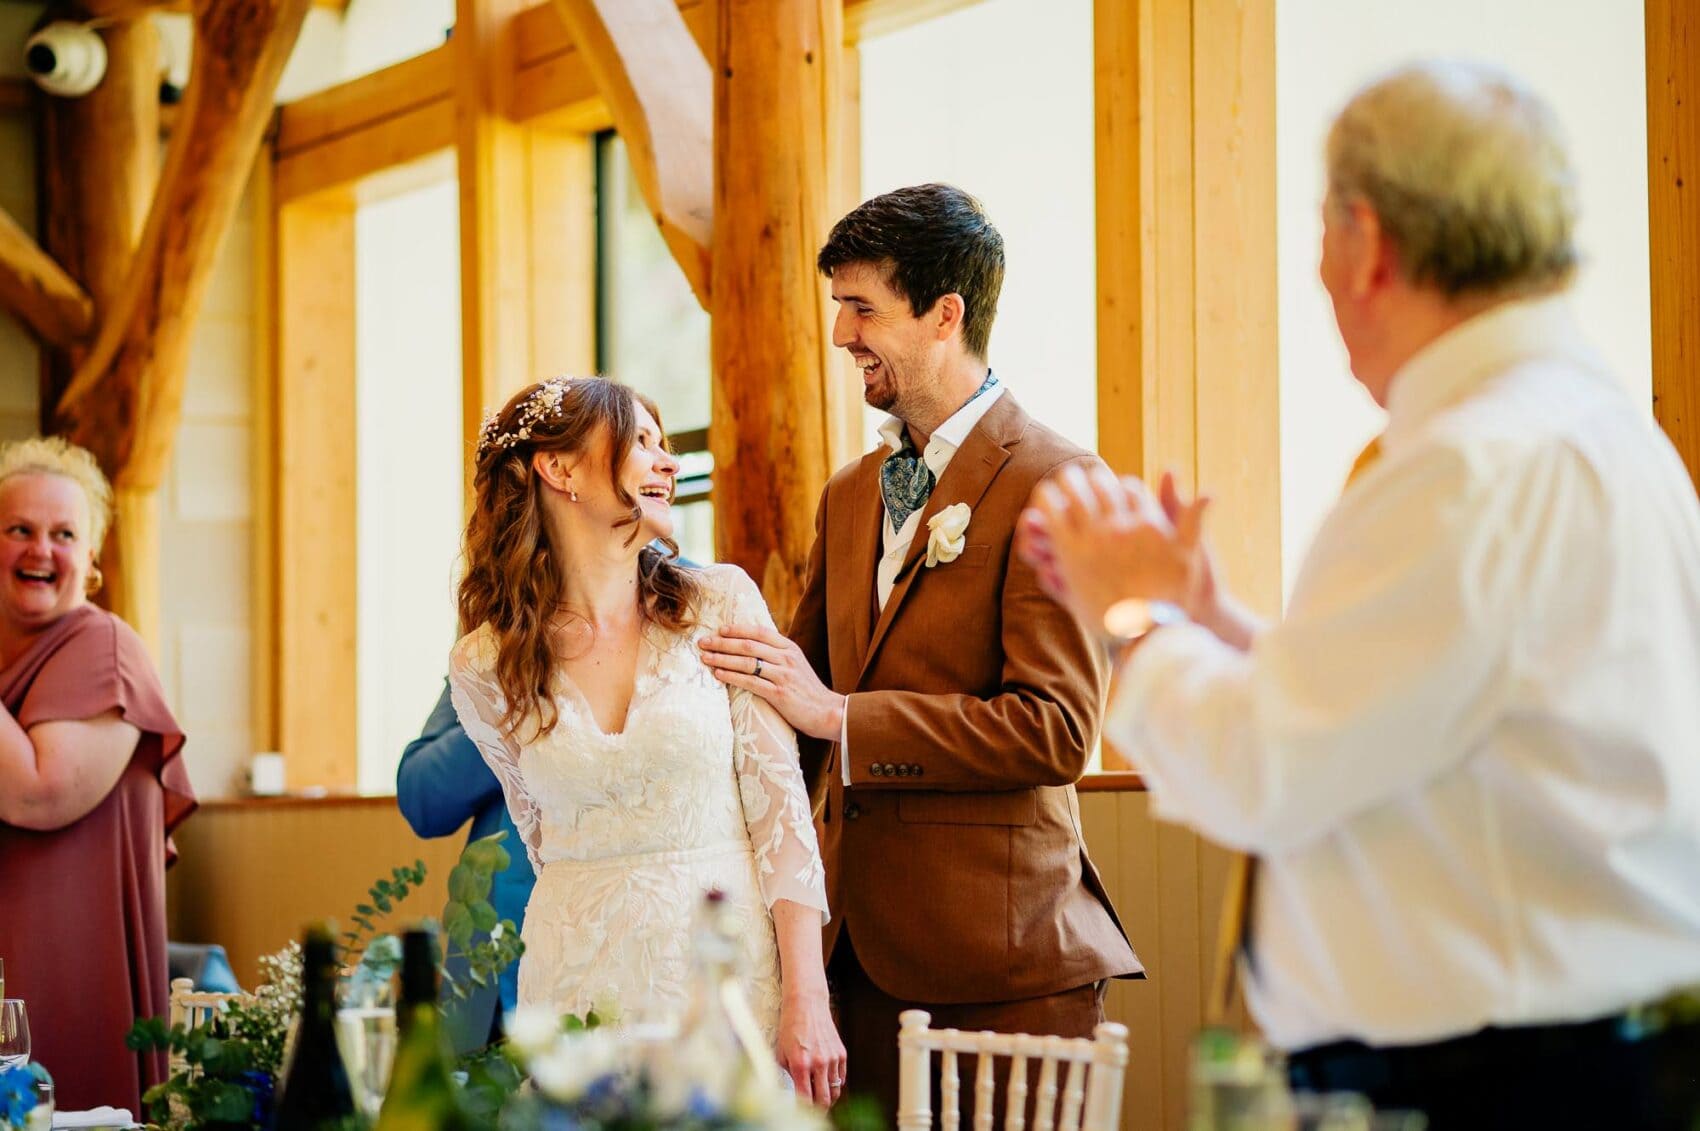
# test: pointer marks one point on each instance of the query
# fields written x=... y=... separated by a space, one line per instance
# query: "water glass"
x=41 y=1115
x=366 y=1038
x=14 y=1033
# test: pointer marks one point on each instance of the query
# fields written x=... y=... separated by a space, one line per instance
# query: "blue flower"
x=700 y=1106
x=260 y=1086
x=17 y=1095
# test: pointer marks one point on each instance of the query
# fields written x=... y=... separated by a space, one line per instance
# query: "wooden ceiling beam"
x=552 y=78
x=40 y=292
x=656 y=81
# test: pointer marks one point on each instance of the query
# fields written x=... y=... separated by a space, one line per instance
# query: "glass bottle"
x=313 y=1092
x=421 y=1094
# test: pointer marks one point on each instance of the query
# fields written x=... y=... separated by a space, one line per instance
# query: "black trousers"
x=1586 y=1077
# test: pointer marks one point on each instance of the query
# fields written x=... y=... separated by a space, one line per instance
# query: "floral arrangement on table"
x=19 y=1109
x=230 y=1065
x=586 y=1077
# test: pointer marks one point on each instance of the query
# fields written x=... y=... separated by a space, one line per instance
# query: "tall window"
x=947 y=100
x=410 y=455
x=651 y=334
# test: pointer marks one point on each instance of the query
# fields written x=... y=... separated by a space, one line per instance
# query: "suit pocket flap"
x=1006 y=807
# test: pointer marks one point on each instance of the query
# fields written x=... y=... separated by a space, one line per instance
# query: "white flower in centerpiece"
x=607 y=1006
x=575 y=1062
x=947 y=533
x=533 y=1030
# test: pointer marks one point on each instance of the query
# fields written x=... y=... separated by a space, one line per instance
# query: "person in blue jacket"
x=441 y=784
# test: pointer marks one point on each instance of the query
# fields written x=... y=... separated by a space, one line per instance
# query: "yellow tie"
x=1233 y=933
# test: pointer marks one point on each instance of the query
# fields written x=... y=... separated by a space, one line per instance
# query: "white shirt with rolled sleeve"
x=1469 y=756
x=894 y=542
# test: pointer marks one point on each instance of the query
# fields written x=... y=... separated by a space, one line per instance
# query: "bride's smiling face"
x=646 y=476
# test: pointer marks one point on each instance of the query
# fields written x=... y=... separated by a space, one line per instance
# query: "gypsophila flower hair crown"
x=544 y=402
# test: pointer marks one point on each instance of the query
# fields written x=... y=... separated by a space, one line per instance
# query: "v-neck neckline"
x=640 y=669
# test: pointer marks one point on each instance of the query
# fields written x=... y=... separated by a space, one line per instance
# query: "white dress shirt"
x=895 y=542
x=1469 y=756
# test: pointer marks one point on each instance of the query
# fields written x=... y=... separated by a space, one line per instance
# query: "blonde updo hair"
x=54 y=455
x=1467 y=172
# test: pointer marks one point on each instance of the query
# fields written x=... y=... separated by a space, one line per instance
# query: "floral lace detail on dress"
x=701 y=789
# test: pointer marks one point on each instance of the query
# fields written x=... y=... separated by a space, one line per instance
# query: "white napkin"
x=95 y=1117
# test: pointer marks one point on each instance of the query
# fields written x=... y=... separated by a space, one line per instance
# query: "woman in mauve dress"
x=91 y=785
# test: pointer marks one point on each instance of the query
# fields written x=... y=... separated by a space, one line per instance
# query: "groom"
x=952 y=704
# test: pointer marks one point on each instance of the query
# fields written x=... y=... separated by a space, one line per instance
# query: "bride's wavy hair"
x=513 y=581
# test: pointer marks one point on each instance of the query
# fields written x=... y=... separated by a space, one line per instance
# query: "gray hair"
x=1467 y=172
x=53 y=455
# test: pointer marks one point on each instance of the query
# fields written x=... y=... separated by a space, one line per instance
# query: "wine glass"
x=14 y=1033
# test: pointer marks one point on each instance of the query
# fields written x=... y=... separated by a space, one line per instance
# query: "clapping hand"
x=1096 y=540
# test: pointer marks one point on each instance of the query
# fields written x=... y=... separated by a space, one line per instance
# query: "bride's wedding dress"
x=627 y=831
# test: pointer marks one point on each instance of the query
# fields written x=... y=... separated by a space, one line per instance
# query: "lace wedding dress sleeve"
x=479 y=704
x=770 y=781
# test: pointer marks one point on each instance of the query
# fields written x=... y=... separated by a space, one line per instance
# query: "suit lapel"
x=970 y=473
x=867 y=515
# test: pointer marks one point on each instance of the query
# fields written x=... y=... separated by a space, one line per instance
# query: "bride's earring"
x=572 y=494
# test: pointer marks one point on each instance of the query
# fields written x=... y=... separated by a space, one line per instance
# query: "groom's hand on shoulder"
x=761 y=661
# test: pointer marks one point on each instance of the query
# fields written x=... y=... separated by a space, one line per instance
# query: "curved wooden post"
x=125 y=401
x=775 y=130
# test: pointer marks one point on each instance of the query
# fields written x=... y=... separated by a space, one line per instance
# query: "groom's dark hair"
x=932 y=240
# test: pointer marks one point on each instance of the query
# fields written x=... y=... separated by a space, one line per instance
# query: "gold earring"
x=95 y=579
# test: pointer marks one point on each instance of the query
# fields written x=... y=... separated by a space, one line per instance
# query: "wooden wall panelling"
x=495 y=247
x=251 y=874
x=562 y=202
x=316 y=473
x=263 y=460
x=1673 y=214
x=1187 y=354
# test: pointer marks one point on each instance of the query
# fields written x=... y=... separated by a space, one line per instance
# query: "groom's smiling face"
x=894 y=349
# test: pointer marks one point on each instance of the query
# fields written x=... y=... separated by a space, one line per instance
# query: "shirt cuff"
x=844 y=742
x=1147 y=725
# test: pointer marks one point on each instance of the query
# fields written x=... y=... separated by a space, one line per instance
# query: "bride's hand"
x=809 y=1048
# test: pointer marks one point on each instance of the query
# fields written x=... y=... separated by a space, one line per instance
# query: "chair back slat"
x=950 y=1092
x=1045 y=1105
x=1091 y=1093
x=1074 y=1094
x=193 y=1009
x=983 y=1086
x=1015 y=1098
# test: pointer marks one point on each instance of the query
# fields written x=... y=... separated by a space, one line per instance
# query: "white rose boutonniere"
x=947 y=532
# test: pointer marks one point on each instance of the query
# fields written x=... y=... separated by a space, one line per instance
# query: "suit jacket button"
x=852 y=811
x=903 y=769
x=890 y=770
x=875 y=770
x=919 y=770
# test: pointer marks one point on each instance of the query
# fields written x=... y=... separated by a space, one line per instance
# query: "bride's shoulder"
x=725 y=580
x=730 y=595
x=476 y=651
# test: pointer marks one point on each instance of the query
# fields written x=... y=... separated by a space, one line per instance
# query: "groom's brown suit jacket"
x=955 y=859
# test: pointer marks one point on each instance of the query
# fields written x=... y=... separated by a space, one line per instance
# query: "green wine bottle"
x=421 y=1095
x=313 y=1094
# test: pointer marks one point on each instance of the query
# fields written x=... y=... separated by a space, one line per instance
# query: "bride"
x=637 y=782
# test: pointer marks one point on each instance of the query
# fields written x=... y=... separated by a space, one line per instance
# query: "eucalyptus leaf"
x=457 y=923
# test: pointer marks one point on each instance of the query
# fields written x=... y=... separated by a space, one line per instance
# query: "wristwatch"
x=1133 y=618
